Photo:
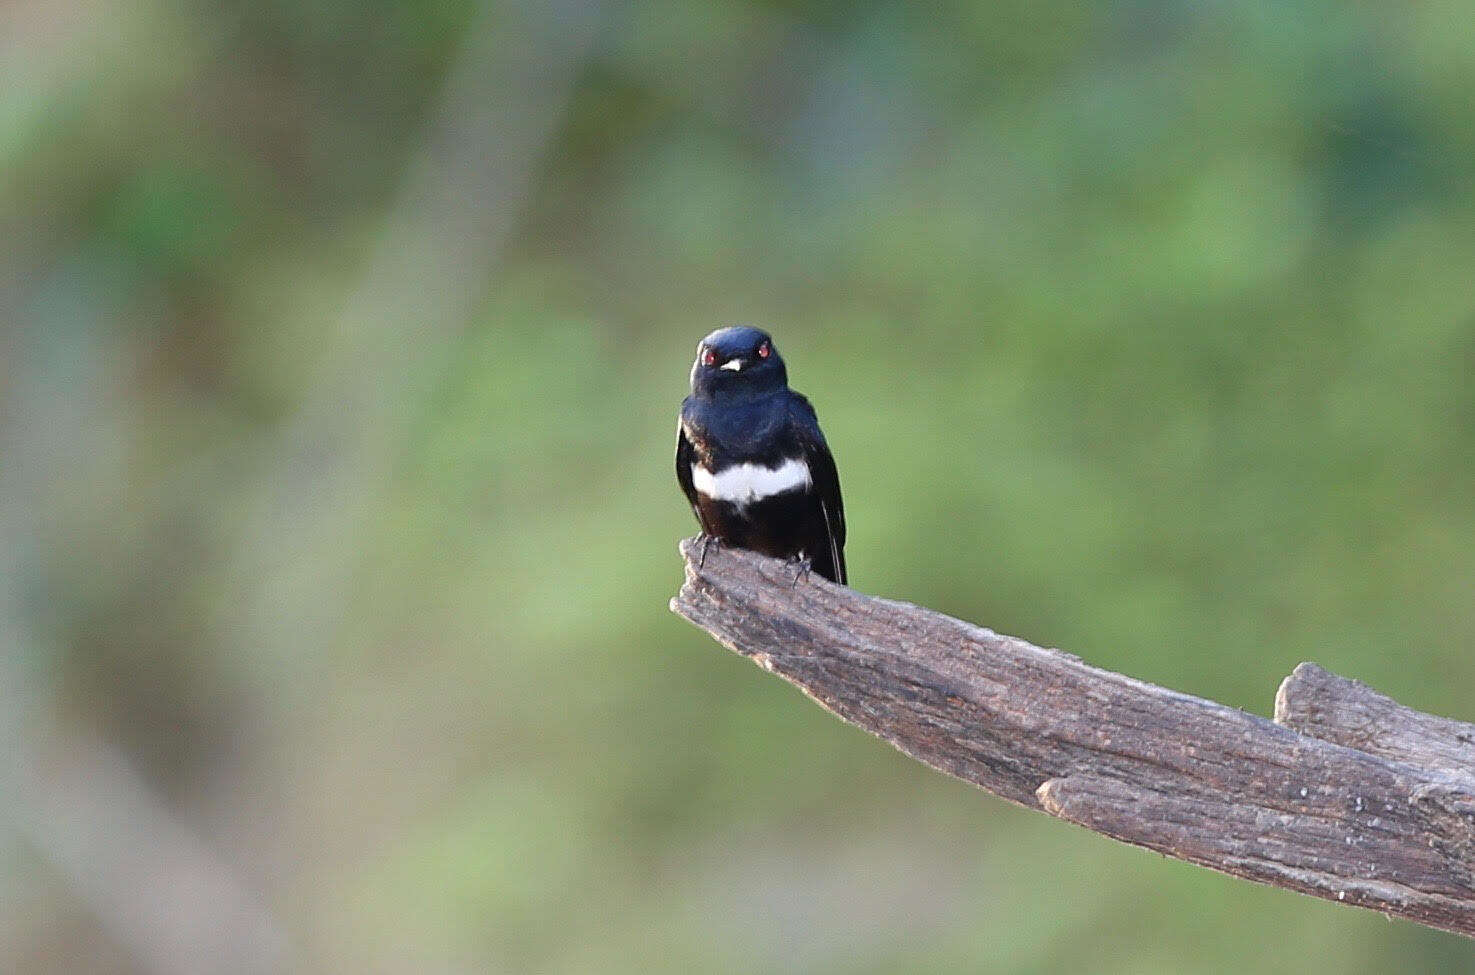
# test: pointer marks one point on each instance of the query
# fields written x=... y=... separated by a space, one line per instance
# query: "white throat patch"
x=744 y=484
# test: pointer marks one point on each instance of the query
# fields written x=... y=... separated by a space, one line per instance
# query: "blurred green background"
x=337 y=519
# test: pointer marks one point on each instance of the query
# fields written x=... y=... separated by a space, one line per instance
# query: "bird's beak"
x=733 y=364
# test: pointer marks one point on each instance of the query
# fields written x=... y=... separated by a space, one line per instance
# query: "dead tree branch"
x=1350 y=797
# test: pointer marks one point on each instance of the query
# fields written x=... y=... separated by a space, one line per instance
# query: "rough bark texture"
x=1353 y=810
x=1318 y=703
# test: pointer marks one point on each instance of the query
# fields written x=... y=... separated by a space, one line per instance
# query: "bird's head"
x=738 y=362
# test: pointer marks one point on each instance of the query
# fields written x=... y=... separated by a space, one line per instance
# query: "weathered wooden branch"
x=1350 y=797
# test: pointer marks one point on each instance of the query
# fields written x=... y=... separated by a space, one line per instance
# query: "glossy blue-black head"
x=738 y=361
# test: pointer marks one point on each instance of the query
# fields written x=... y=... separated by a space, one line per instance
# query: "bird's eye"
x=709 y=358
x=764 y=351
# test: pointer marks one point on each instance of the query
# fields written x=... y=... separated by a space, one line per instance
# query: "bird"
x=751 y=459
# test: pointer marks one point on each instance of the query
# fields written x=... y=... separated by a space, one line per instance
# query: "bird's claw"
x=801 y=566
x=707 y=542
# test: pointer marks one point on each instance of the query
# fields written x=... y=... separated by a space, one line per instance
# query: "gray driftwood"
x=1351 y=797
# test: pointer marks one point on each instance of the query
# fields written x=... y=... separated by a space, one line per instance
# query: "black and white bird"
x=752 y=460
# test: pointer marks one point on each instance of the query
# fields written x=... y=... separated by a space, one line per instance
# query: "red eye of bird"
x=709 y=358
x=764 y=350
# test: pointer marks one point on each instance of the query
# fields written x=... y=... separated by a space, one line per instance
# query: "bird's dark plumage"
x=751 y=459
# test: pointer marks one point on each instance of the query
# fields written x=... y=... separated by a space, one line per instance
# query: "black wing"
x=686 y=455
x=826 y=479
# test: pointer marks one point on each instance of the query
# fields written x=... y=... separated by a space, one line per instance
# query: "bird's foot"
x=801 y=566
x=707 y=542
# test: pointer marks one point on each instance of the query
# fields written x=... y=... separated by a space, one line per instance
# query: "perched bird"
x=752 y=460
